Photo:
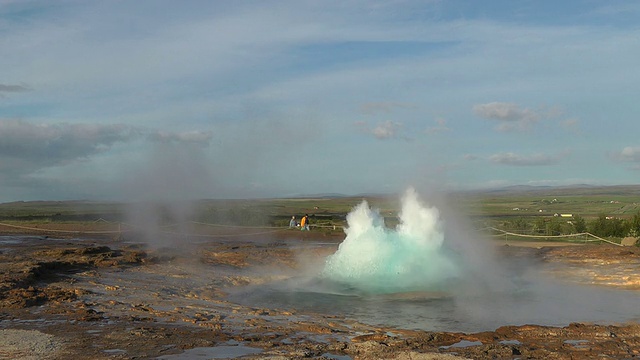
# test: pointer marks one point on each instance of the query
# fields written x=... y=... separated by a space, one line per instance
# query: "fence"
x=588 y=237
x=124 y=227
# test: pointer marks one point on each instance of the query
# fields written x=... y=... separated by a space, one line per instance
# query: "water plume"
x=411 y=257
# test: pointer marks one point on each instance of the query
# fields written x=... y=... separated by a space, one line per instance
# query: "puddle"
x=223 y=351
x=510 y=342
x=462 y=344
x=13 y=240
x=578 y=344
x=115 y=351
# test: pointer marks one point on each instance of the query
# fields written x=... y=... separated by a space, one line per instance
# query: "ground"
x=103 y=298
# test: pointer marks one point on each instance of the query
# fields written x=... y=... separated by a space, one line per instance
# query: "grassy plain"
x=489 y=208
x=588 y=202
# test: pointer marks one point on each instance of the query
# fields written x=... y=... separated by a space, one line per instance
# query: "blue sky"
x=126 y=100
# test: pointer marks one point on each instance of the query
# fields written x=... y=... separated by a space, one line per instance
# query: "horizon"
x=115 y=101
x=514 y=189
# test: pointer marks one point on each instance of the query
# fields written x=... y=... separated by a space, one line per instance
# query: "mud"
x=110 y=299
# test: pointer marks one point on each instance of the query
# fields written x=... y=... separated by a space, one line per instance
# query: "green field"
x=508 y=209
x=619 y=201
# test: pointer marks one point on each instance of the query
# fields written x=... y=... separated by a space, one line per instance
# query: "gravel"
x=27 y=345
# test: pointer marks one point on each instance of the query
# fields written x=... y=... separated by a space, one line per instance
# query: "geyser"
x=411 y=257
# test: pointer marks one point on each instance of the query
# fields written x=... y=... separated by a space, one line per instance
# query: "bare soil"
x=110 y=299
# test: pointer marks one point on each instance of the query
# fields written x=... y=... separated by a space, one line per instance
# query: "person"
x=292 y=223
x=304 y=223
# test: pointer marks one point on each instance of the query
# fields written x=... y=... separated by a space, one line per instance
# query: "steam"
x=410 y=258
x=165 y=187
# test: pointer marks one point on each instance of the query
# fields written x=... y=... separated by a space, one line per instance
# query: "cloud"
x=628 y=154
x=13 y=88
x=509 y=115
x=470 y=157
x=5 y=88
x=383 y=131
x=27 y=148
x=55 y=144
x=193 y=137
x=512 y=159
x=571 y=125
x=441 y=126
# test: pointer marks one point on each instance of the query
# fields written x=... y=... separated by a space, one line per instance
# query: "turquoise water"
x=410 y=257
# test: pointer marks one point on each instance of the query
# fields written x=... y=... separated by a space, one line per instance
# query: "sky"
x=122 y=100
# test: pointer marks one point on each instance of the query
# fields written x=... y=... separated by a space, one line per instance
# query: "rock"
x=629 y=241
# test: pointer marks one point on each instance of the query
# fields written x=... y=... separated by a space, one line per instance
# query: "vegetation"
x=608 y=212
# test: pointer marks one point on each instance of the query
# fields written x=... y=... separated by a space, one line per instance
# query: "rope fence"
x=268 y=230
x=126 y=227
x=585 y=234
x=62 y=231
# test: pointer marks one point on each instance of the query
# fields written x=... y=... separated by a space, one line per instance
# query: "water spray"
x=411 y=257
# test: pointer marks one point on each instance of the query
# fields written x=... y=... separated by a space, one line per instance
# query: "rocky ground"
x=110 y=299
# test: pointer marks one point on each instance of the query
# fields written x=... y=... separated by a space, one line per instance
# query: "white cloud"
x=628 y=154
x=513 y=159
x=383 y=130
x=509 y=115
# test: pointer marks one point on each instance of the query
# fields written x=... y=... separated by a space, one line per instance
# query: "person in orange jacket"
x=304 y=223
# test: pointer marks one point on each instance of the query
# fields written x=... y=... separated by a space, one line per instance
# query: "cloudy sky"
x=225 y=99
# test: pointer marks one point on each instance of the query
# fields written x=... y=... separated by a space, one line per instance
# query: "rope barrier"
x=238 y=226
x=275 y=229
x=61 y=231
x=553 y=236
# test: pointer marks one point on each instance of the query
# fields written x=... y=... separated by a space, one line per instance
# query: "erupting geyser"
x=376 y=259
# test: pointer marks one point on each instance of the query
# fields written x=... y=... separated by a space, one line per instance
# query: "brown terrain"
x=103 y=298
